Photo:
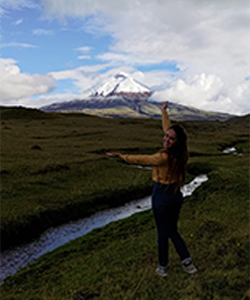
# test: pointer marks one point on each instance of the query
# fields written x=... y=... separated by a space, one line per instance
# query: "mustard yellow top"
x=159 y=160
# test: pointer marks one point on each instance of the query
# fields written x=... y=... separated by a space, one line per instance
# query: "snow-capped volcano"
x=121 y=96
x=121 y=84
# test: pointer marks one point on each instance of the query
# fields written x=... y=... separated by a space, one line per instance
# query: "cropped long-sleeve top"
x=158 y=161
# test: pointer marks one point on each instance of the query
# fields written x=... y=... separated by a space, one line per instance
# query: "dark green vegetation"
x=125 y=107
x=58 y=161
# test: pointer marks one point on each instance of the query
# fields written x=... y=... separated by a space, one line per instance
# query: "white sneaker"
x=190 y=268
x=162 y=271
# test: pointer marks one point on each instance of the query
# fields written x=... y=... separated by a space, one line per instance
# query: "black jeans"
x=166 y=204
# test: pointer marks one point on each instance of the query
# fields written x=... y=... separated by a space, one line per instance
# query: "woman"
x=169 y=173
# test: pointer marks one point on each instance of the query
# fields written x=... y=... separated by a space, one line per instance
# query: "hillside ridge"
x=124 y=106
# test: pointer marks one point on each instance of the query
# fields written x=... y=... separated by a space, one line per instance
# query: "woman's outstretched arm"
x=165 y=118
x=144 y=160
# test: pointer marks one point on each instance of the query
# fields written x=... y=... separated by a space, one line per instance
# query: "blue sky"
x=42 y=45
x=191 y=52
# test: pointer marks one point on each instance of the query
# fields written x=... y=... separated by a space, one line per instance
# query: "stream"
x=18 y=257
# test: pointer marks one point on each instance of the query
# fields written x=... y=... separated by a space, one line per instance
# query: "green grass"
x=119 y=260
x=54 y=168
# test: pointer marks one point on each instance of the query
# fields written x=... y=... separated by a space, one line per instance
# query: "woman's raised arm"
x=165 y=118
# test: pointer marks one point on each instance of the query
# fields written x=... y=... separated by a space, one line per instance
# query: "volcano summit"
x=121 y=96
x=122 y=85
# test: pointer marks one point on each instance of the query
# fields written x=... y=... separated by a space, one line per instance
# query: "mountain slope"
x=121 y=96
x=125 y=107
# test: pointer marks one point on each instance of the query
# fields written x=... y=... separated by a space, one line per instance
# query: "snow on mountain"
x=121 y=84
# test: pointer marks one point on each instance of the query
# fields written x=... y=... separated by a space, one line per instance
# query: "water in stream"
x=13 y=260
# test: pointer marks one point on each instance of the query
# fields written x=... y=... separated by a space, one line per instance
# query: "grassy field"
x=55 y=165
x=54 y=168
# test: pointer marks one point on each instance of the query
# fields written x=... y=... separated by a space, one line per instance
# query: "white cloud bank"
x=208 y=92
x=198 y=34
x=209 y=40
x=15 y=85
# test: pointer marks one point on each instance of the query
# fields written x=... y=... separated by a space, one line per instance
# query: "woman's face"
x=169 y=139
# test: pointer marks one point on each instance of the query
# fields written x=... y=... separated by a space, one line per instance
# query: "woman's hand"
x=113 y=154
x=164 y=106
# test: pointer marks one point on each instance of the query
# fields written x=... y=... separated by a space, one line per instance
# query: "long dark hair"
x=178 y=155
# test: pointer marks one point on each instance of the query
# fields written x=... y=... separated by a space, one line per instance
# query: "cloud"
x=15 y=4
x=18 y=22
x=207 y=92
x=84 y=57
x=122 y=58
x=15 y=44
x=16 y=85
x=44 y=100
x=207 y=40
x=8 y=61
x=83 y=77
x=43 y=32
x=84 y=49
x=80 y=8
x=201 y=36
